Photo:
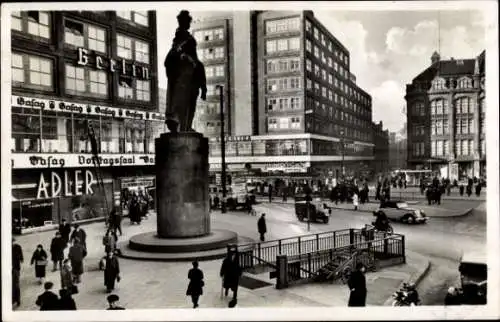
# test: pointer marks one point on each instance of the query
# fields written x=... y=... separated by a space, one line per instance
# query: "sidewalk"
x=148 y=284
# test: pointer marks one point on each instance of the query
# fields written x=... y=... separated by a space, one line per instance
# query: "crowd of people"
x=138 y=204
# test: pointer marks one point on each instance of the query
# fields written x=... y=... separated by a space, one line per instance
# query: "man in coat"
x=57 y=247
x=65 y=230
x=17 y=259
x=79 y=233
x=196 y=283
x=76 y=255
x=67 y=276
x=357 y=285
x=48 y=301
x=231 y=273
x=115 y=220
x=261 y=225
x=111 y=272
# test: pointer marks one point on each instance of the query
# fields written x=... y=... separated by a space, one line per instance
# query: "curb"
x=416 y=278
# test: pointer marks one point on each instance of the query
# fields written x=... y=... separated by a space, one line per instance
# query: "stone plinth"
x=182 y=185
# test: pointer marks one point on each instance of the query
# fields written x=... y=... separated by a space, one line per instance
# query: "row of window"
x=440 y=148
x=210 y=53
x=282 y=45
x=463 y=105
x=283 y=103
x=214 y=71
x=209 y=35
x=329 y=110
x=283 y=84
x=418 y=149
x=38 y=73
x=465 y=82
x=282 y=25
x=327 y=60
x=332 y=129
x=464 y=147
x=283 y=123
x=283 y=65
x=318 y=35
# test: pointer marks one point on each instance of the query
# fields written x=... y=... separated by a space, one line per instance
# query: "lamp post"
x=222 y=148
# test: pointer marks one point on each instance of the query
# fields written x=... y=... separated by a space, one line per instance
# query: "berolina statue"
x=186 y=77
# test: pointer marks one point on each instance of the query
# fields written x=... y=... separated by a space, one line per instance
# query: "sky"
x=387 y=48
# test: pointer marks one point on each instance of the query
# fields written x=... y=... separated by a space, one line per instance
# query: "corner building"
x=70 y=70
x=292 y=105
x=446 y=118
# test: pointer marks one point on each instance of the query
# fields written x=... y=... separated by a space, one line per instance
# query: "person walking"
x=109 y=242
x=48 y=300
x=270 y=193
x=111 y=271
x=57 y=247
x=17 y=260
x=231 y=272
x=113 y=302
x=355 y=201
x=261 y=226
x=76 y=255
x=39 y=258
x=115 y=220
x=66 y=301
x=478 y=189
x=461 y=190
x=79 y=233
x=196 y=283
x=357 y=285
x=67 y=277
x=65 y=230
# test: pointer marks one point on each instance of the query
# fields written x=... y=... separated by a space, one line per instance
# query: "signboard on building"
x=288 y=167
x=84 y=109
x=240 y=138
x=59 y=160
x=69 y=183
x=137 y=182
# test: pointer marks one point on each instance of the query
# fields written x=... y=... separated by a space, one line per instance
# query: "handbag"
x=42 y=263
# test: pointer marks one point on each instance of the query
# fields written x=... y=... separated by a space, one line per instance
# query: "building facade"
x=73 y=70
x=446 y=118
x=381 y=149
x=293 y=96
x=397 y=151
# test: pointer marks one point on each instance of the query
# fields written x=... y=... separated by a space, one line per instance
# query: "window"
x=439 y=83
x=285 y=44
x=295 y=122
x=272 y=124
x=464 y=82
x=36 y=23
x=463 y=125
x=446 y=128
x=439 y=147
x=308 y=65
x=446 y=147
x=458 y=147
x=330 y=95
x=317 y=70
x=464 y=105
x=309 y=84
x=74 y=33
x=17 y=68
x=433 y=148
x=308 y=45
x=330 y=62
x=483 y=146
x=219 y=52
x=308 y=26
x=323 y=91
x=330 y=79
x=418 y=109
x=98 y=82
x=439 y=106
x=481 y=124
x=316 y=52
x=316 y=33
x=75 y=79
x=336 y=66
x=139 y=17
x=97 y=39
x=124 y=47
x=16 y=21
x=439 y=127
x=219 y=71
x=465 y=147
x=143 y=90
x=284 y=122
x=282 y=25
x=316 y=88
x=209 y=35
x=323 y=74
x=40 y=71
x=142 y=51
x=283 y=84
x=283 y=65
x=295 y=102
x=471 y=125
x=471 y=147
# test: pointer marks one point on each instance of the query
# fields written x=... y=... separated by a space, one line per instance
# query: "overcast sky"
x=387 y=48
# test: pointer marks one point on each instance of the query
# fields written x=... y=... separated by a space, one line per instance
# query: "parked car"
x=318 y=209
x=399 y=210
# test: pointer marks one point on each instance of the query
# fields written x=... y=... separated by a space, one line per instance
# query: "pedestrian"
x=65 y=230
x=448 y=189
x=469 y=190
x=196 y=283
x=111 y=271
x=461 y=190
x=79 y=233
x=478 y=189
x=113 y=302
x=109 y=242
x=76 y=255
x=67 y=277
x=115 y=220
x=231 y=272
x=39 y=258
x=17 y=260
x=48 y=300
x=66 y=301
x=270 y=193
x=261 y=225
x=452 y=297
x=355 y=201
x=57 y=247
x=216 y=201
x=357 y=285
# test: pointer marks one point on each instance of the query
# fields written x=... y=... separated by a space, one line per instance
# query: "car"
x=318 y=210
x=399 y=210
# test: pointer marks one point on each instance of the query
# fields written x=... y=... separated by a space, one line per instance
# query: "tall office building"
x=446 y=118
x=72 y=70
x=291 y=103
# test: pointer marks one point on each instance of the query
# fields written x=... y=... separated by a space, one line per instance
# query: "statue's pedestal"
x=183 y=214
x=182 y=185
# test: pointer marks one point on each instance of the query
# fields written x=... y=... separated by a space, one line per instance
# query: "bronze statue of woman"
x=186 y=77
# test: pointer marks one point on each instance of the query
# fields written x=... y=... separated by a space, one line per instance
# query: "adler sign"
x=76 y=183
x=113 y=65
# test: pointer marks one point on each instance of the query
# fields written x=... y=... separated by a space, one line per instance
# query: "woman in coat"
x=39 y=258
x=357 y=285
x=230 y=273
x=57 y=250
x=66 y=276
x=76 y=254
x=111 y=272
x=195 y=287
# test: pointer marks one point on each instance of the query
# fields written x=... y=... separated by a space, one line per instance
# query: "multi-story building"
x=445 y=114
x=293 y=104
x=72 y=70
x=381 y=149
x=397 y=151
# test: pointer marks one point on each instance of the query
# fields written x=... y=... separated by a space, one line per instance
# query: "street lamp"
x=222 y=148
